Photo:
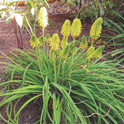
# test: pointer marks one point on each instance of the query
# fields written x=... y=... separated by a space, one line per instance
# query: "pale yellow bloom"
x=55 y=42
x=43 y=17
x=66 y=28
x=54 y=47
x=76 y=28
x=96 y=28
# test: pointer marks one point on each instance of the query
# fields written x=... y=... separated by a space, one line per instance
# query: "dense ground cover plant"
x=117 y=33
x=80 y=87
x=93 y=9
x=97 y=8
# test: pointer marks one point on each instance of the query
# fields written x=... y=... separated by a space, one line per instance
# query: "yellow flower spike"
x=64 y=43
x=55 y=42
x=55 y=38
x=83 y=44
x=90 y=52
x=40 y=40
x=65 y=52
x=76 y=28
x=34 y=41
x=96 y=29
x=43 y=17
x=47 y=38
x=98 y=52
x=54 y=47
x=66 y=28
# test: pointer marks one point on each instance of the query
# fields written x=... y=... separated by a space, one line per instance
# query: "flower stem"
x=39 y=61
x=88 y=64
x=54 y=59
x=29 y=26
x=50 y=55
x=92 y=43
x=47 y=49
x=43 y=41
x=59 y=65
x=34 y=25
x=63 y=67
x=72 y=56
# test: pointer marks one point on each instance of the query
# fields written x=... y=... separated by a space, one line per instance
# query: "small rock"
x=63 y=11
x=29 y=116
x=58 y=10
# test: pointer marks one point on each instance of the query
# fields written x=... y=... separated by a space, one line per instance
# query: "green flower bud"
x=90 y=52
x=40 y=40
x=34 y=41
x=66 y=28
x=83 y=44
x=65 y=52
x=64 y=43
x=47 y=38
x=72 y=48
x=98 y=52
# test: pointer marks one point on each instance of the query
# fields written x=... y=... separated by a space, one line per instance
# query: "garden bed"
x=31 y=113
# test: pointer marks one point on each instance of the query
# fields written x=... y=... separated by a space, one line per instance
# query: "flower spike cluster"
x=75 y=30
